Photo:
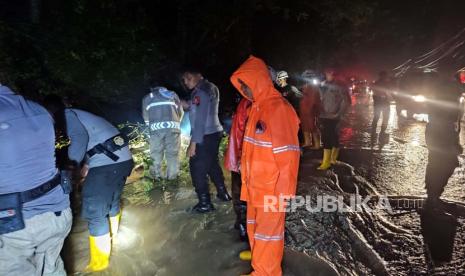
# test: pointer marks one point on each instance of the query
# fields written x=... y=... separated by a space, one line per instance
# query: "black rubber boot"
x=204 y=205
x=243 y=233
x=222 y=194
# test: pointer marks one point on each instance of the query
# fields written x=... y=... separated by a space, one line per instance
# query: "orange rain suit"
x=309 y=109
x=270 y=162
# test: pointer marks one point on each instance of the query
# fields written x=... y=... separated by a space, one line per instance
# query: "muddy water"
x=395 y=163
x=159 y=236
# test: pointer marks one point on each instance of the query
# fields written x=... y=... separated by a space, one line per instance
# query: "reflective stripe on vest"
x=165 y=125
x=160 y=103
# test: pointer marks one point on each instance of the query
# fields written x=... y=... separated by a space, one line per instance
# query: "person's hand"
x=84 y=170
x=191 y=149
x=184 y=104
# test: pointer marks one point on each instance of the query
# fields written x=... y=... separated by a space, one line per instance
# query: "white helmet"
x=282 y=75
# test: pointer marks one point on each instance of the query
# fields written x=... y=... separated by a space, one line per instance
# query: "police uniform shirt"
x=27 y=152
x=85 y=131
x=203 y=112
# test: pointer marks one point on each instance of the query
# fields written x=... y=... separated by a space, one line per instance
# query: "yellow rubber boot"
x=245 y=255
x=316 y=141
x=334 y=155
x=114 y=224
x=326 y=163
x=100 y=249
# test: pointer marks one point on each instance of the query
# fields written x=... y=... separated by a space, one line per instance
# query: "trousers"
x=206 y=164
x=379 y=109
x=329 y=133
x=266 y=239
x=440 y=167
x=35 y=250
x=240 y=207
x=101 y=195
x=165 y=144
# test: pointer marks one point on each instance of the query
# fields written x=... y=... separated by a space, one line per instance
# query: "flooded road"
x=159 y=236
x=395 y=164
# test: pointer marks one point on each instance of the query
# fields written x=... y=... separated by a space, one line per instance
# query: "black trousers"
x=329 y=133
x=240 y=207
x=206 y=164
x=441 y=166
x=378 y=109
x=101 y=195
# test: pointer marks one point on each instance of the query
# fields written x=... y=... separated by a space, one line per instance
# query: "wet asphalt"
x=159 y=236
x=394 y=163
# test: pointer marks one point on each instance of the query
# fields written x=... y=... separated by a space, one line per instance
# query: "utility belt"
x=108 y=147
x=11 y=205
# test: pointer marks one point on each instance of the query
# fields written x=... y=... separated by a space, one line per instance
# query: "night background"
x=103 y=56
x=102 y=49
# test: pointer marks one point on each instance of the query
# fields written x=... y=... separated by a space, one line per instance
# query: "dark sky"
x=398 y=30
x=416 y=30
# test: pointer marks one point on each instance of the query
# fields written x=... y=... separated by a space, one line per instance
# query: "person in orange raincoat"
x=269 y=165
x=309 y=110
x=232 y=160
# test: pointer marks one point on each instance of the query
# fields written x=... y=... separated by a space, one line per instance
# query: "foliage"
x=109 y=49
x=76 y=49
x=139 y=191
x=138 y=143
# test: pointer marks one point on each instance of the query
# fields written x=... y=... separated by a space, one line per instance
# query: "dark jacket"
x=444 y=114
x=381 y=92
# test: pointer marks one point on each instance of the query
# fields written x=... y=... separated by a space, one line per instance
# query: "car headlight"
x=419 y=98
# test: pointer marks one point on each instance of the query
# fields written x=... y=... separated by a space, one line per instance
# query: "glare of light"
x=415 y=143
x=126 y=238
x=185 y=125
x=403 y=113
x=419 y=98
x=367 y=89
x=462 y=99
x=462 y=77
x=315 y=82
x=421 y=117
